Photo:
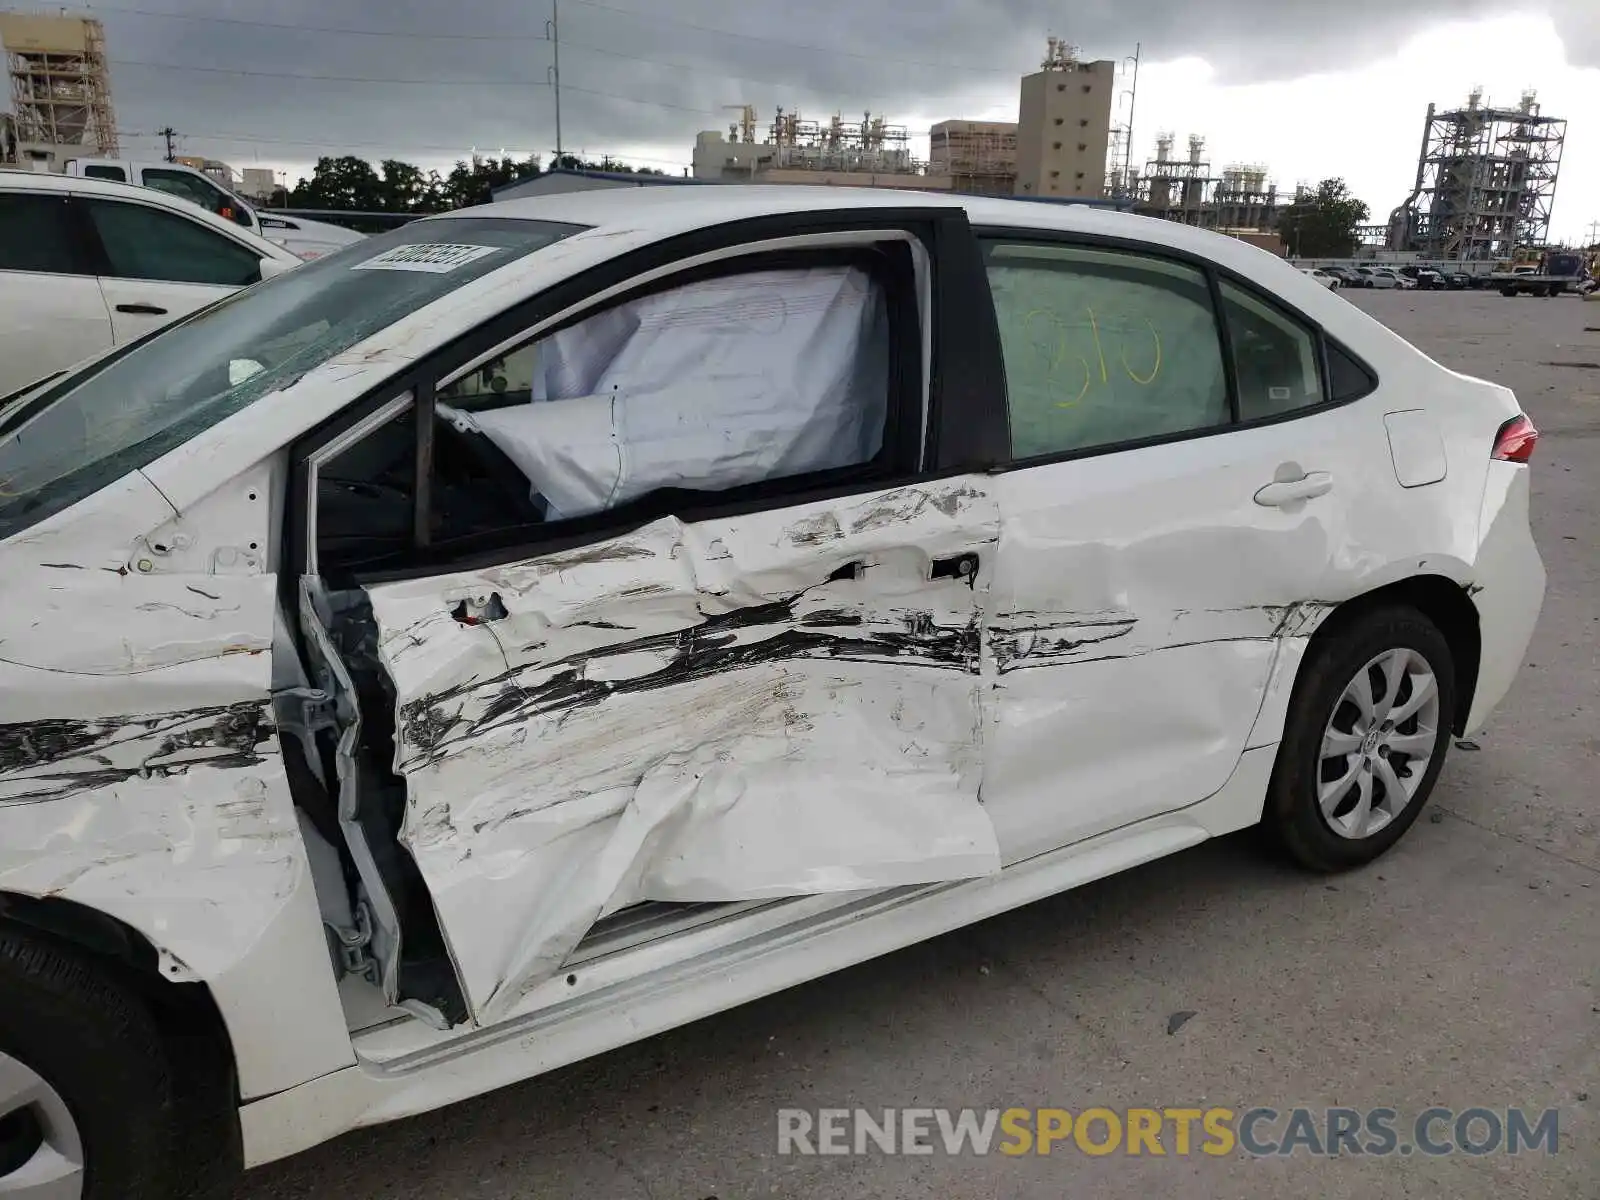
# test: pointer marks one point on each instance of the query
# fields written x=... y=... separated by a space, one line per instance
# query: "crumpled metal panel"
x=779 y=704
x=139 y=766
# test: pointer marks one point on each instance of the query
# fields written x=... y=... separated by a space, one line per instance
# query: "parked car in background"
x=1326 y=278
x=86 y=265
x=1424 y=278
x=547 y=624
x=1347 y=276
x=302 y=238
x=1388 y=277
x=1374 y=278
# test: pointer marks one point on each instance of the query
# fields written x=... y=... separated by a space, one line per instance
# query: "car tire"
x=82 y=1064
x=1331 y=749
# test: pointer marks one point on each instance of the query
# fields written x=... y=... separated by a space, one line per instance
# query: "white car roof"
x=38 y=181
x=646 y=214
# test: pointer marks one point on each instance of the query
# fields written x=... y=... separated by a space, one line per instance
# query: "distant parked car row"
x=1427 y=279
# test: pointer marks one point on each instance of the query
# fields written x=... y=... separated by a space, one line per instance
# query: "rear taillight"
x=1516 y=440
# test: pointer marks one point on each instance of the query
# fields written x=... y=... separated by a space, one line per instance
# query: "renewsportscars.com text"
x=1259 y=1132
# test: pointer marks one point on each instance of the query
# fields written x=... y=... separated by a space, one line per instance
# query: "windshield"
x=125 y=410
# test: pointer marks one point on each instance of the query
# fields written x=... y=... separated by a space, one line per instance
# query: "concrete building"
x=1064 y=126
x=977 y=156
x=258 y=183
x=60 y=91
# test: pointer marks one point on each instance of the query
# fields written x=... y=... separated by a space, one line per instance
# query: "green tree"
x=475 y=182
x=407 y=189
x=347 y=184
x=1323 y=223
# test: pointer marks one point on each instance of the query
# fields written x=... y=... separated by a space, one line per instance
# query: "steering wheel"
x=510 y=485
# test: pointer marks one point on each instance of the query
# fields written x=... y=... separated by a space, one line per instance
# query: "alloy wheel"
x=41 y=1152
x=1378 y=743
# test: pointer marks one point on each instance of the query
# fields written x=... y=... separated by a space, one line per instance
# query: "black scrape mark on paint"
x=600 y=625
x=198 y=592
x=907 y=506
x=716 y=645
x=106 y=751
x=61 y=566
x=1019 y=643
x=626 y=552
x=812 y=531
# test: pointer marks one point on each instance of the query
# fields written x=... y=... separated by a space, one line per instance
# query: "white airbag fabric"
x=707 y=386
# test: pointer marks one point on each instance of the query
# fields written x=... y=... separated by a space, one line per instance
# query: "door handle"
x=143 y=310
x=1282 y=492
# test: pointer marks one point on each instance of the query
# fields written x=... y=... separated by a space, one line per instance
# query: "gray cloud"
x=630 y=78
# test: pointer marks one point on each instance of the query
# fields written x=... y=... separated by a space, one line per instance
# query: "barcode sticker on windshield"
x=433 y=258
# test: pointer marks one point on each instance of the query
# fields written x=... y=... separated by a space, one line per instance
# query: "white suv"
x=87 y=264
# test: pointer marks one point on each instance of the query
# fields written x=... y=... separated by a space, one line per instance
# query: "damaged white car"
x=546 y=624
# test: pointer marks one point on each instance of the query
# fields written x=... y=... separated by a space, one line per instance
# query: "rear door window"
x=36 y=235
x=1275 y=357
x=1103 y=347
x=146 y=243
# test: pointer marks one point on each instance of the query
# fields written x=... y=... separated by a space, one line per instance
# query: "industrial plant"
x=1484 y=188
x=1486 y=182
x=1057 y=149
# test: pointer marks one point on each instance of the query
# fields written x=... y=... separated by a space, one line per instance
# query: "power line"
x=155 y=66
x=957 y=67
x=384 y=33
x=834 y=51
x=520 y=83
x=407 y=148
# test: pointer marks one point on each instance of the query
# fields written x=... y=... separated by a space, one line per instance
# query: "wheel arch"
x=126 y=953
x=1444 y=602
x=198 y=1047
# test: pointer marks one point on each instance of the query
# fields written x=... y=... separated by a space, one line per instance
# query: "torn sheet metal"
x=139 y=767
x=735 y=710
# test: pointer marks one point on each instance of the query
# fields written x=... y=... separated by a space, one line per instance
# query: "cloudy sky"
x=1309 y=88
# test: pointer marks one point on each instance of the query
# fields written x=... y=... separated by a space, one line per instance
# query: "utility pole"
x=552 y=31
x=170 y=134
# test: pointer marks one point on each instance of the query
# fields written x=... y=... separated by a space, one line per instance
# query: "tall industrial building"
x=1057 y=150
x=976 y=156
x=60 y=89
x=1486 y=182
x=1064 y=125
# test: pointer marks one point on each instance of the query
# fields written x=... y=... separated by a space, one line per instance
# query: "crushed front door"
x=770 y=705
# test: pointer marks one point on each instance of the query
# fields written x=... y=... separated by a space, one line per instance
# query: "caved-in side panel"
x=140 y=776
x=751 y=707
x=1164 y=725
x=1139 y=600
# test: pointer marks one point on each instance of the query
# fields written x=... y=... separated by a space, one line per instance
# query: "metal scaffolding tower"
x=60 y=83
x=1486 y=182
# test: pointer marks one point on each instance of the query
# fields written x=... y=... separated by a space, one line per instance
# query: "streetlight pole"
x=1133 y=100
x=552 y=31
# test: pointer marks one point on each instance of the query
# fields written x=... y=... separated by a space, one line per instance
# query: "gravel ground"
x=1462 y=970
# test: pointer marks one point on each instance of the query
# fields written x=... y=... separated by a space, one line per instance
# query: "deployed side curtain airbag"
x=708 y=386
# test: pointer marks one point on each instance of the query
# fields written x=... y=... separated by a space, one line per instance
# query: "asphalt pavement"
x=1462 y=970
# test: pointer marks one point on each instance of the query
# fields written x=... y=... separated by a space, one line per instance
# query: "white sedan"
x=1321 y=276
x=546 y=624
x=87 y=264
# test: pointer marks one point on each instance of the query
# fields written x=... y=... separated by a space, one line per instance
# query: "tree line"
x=351 y=184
